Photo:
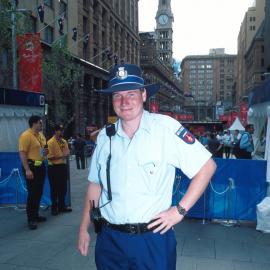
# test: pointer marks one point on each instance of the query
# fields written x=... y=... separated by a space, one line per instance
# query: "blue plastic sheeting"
x=233 y=193
x=12 y=182
x=259 y=94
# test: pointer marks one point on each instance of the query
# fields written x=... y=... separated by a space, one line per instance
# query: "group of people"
x=33 y=151
x=228 y=144
x=82 y=148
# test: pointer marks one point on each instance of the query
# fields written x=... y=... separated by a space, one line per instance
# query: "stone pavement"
x=53 y=245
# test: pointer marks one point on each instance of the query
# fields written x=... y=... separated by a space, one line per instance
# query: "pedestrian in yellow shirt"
x=57 y=171
x=33 y=151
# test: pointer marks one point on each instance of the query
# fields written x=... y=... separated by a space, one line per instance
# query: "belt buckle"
x=134 y=228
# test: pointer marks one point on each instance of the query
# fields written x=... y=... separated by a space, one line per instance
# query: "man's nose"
x=124 y=100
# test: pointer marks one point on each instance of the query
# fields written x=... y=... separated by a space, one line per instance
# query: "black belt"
x=133 y=228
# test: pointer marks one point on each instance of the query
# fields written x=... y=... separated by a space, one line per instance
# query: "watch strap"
x=181 y=210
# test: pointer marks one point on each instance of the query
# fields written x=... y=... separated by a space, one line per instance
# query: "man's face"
x=128 y=105
x=38 y=126
x=251 y=130
x=59 y=133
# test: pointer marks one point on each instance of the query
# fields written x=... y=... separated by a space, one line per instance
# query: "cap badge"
x=121 y=73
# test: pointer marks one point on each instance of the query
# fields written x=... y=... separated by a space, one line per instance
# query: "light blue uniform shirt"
x=246 y=142
x=143 y=168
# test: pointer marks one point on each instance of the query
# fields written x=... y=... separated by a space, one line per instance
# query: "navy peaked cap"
x=128 y=77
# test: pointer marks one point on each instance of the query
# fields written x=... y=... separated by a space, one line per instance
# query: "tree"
x=62 y=78
x=23 y=25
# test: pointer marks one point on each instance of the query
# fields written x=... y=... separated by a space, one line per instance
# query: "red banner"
x=30 y=61
x=168 y=113
x=243 y=113
x=183 y=117
x=234 y=115
x=154 y=106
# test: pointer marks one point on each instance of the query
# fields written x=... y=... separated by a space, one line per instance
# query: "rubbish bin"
x=263 y=215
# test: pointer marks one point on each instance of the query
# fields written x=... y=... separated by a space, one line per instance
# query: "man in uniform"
x=246 y=143
x=146 y=148
x=57 y=171
x=33 y=151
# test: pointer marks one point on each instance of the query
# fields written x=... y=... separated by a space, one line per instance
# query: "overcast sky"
x=199 y=25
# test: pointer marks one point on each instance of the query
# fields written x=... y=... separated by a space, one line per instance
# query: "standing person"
x=246 y=142
x=33 y=151
x=79 y=148
x=57 y=171
x=235 y=142
x=214 y=146
x=227 y=143
x=136 y=225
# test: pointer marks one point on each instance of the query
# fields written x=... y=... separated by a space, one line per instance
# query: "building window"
x=63 y=9
x=33 y=24
x=48 y=34
x=86 y=4
x=48 y=3
x=4 y=59
x=262 y=62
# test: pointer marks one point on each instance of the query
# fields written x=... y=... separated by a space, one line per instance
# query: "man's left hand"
x=165 y=220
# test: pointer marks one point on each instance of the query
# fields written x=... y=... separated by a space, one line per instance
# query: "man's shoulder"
x=51 y=140
x=25 y=133
x=164 y=122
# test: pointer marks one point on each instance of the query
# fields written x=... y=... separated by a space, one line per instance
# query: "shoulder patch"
x=185 y=135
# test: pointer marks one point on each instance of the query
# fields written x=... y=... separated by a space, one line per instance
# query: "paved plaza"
x=53 y=245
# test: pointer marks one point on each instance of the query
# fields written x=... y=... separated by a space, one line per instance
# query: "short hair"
x=33 y=119
x=249 y=126
x=58 y=127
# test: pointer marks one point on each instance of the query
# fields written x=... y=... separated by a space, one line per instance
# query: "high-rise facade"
x=98 y=34
x=249 y=27
x=208 y=80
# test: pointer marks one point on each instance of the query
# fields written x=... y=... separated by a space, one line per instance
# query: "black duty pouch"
x=95 y=217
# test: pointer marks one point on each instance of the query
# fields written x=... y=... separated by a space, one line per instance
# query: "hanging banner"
x=243 y=113
x=154 y=106
x=30 y=62
x=183 y=116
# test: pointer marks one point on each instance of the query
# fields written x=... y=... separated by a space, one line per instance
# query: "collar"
x=145 y=124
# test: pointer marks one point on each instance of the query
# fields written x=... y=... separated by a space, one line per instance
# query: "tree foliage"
x=62 y=78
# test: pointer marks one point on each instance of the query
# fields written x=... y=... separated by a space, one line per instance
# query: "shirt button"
x=151 y=172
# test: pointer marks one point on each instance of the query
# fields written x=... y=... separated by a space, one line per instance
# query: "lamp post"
x=13 y=45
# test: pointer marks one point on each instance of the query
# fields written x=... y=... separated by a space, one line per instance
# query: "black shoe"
x=32 y=225
x=65 y=210
x=54 y=212
x=41 y=219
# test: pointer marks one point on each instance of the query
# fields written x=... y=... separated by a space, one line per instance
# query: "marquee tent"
x=236 y=125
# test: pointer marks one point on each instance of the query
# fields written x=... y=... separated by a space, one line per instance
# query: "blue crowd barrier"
x=12 y=182
x=233 y=193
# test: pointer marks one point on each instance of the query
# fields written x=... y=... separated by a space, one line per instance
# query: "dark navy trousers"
x=117 y=250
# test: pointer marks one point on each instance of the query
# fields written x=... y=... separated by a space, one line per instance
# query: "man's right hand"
x=29 y=175
x=83 y=242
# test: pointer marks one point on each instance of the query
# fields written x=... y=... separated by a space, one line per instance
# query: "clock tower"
x=164 y=31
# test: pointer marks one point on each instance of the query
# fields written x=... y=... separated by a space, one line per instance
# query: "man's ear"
x=144 y=95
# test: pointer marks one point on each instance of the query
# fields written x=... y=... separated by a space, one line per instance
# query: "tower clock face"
x=163 y=19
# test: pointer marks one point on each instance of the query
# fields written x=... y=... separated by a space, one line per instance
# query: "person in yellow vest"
x=32 y=151
x=57 y=171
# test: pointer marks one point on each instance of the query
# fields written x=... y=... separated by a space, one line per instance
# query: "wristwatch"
x=181 y=210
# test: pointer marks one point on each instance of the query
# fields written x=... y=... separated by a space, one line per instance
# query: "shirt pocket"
x=150 y=172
